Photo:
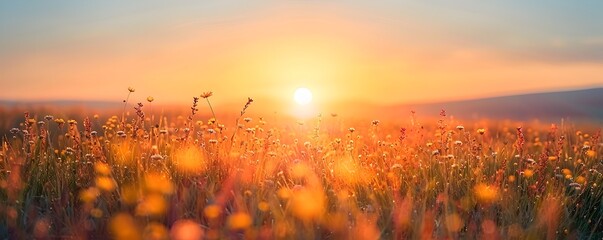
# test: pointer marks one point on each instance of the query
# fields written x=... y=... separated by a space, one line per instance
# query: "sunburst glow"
x=302 y=96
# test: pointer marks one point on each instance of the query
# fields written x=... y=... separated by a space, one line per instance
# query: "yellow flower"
x=239 y=221
x=123 y=226
x=150 y=99
x=186 y=229
x=485 y=193
x=89 y=194
x=263 y=206
x=155 y=231
x=152 y=205
x=102 y=168
x=212 y=211
x=105 y=183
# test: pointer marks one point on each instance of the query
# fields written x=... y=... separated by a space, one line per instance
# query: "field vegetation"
x=147 y=175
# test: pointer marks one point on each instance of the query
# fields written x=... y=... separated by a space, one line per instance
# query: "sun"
x=302 y=96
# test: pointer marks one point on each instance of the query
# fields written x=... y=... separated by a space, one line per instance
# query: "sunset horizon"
x=342 y=52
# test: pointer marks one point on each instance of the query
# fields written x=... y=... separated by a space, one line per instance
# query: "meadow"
x=137 y=175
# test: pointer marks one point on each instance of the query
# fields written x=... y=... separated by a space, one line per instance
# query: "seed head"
x=207 y=94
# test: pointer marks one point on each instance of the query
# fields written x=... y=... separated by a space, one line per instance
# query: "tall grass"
x=150 y=177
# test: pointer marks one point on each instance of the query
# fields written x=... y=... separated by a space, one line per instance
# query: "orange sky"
x=343 y=53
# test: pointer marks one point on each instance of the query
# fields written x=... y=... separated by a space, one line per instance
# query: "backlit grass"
x=147 y=176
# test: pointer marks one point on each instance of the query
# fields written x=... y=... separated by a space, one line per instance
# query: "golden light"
x=302 y=96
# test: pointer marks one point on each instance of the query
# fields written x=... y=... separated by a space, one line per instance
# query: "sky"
x=380 y=52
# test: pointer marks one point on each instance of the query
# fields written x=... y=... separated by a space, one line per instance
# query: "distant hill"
x=578 y=105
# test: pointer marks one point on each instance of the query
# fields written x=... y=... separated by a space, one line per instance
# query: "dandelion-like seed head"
x=481 y=131
x=207 y=94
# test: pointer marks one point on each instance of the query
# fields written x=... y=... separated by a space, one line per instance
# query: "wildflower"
x=123 y=226
x=308 y=204
x=48 y=117
x=458 y=143
x=102 y=168
x=105 y=183
x=152 y=205
x=375 y=122
x=580 y=179
x=351 y=130
x=460 y=127
x=14 y=130
x=131 y=89
x=207 y=94
x=485 y=193
x=263 y=206
x=481 y=131
x=150 y=99
x=239 y=221
x=69 y=150
x=575 y=184
x=155 y=231
x=212 y=211
x=89 y=195
x=158 y=183
x=186 y=229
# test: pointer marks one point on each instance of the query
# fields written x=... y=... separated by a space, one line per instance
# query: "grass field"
x=145 y=176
